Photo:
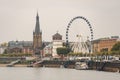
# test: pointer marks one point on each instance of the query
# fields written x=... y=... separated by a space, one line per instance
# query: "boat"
x=81 y=66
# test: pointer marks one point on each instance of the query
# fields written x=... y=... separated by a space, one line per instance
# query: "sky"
x=18 y=18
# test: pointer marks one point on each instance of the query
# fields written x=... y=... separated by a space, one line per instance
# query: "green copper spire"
x=37 y=26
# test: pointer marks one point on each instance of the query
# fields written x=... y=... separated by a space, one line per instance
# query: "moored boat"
x=81 y=66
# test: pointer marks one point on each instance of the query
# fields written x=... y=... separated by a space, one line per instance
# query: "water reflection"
x=23 y=73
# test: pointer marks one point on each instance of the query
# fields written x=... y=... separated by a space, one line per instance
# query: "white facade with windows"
x=48 y=49
x=57 y=42
x=2 y=49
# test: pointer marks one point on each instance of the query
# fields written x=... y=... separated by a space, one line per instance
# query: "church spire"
x=37 y=36
x=37 y=26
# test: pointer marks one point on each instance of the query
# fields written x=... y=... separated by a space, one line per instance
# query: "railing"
x=13 y=63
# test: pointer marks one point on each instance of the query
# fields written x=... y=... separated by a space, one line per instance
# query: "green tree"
x=5 y=51
x=63 y=51
x=116 y=47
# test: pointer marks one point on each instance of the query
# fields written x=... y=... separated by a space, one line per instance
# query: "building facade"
x=2 y=49
x=104 y=44
x=56 y=43
x=48 y=50
x=19 y=47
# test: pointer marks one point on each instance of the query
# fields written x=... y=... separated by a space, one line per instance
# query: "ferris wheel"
x=79 y=44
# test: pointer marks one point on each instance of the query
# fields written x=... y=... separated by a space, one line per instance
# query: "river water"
x=24 y=73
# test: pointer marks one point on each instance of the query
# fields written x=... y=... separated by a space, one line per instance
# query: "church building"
x=37 y=37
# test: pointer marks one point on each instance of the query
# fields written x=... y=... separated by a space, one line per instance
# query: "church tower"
x=37 y=36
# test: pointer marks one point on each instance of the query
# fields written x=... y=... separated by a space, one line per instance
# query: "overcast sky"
x=17 y=17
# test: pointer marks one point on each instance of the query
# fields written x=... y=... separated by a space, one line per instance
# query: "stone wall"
x=105 y=66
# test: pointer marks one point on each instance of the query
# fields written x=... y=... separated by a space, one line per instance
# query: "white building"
x=48 y=49
x=2 y=49
x=57 y=42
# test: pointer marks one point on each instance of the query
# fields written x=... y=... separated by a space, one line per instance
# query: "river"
x=24 y=73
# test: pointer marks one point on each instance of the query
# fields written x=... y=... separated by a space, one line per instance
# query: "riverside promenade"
x=113 y=66
x=17 y=65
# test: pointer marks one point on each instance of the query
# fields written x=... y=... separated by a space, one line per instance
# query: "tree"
x=63 y=51
x=116 y=47
x=5 y=51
